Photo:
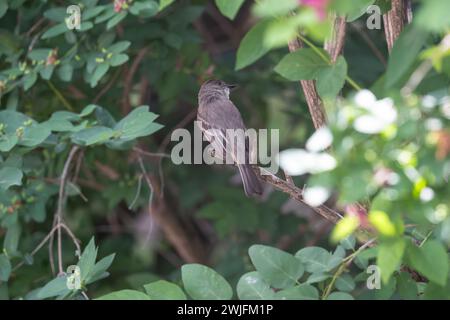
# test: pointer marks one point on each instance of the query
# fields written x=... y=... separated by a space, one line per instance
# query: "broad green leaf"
x=301 y=292
x=65 y=72
x=340 y=296
x=10 y=176
x=358 y=9
x=116 y=19
x=90 y=13
x=87 y=259
x=278 y=268
x=137 y=123
x=3 y=8
x=345 y=283
x=92 y=135
x=54 y=288
x=381 y=221
x=390 y=254
x=125 y=295
x=251 y=286
x=8 y=141
x=164 y=290
x=118 y=47
x=99 y=269
x=99 y=72
x=229 y=8
x=203 y=283
x=12 y=238
x=118 y=59
x=433 y=15
x=315 y=259
x=404 y=52
x=5 y=268
x=145 y=9
x=331 y=80
x=251 y=47
x=431 y=260
x=317 y=277
x=57 y=14
x=264 y=8
x=54 y=31
x=29 y=80
x=303 y=64
x=34 y=135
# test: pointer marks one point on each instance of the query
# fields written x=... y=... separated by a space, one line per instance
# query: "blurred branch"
x=395 y=20
x=335 y=45
x=129 y=79
x=296 y=193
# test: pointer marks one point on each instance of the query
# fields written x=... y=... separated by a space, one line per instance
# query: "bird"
x=217 y=112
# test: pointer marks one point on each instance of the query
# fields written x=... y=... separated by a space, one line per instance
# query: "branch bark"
x=395 y=20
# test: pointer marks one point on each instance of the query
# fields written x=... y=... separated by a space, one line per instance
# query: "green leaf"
x=54 y=31
x=431 y=260
x=65 y=72
x=137 y=123
x=404 y=52
x=116 y=19
x=345 y=283
x=118 y=59
x=54 y=288
x=10 y=176
x=8 y=141
x=280 y=269
x=99 y=269
x=3 y=8
x=317 y=277
x=433 y=15
x=92 y=135
x=118 y=47
x=164 y=290
x=34 y=135
x=164 y=3
x=390 y=254
x=251 y=47
x=99 y=72
x=125 y=295
x=340 y=296
x=12 y=238
x=229 y=8
x=303 y=64
x=88 y=110
x=315 y=259
x=29 y=80
x=264 y=8
x=251 y=286
x=331 y=80
x=145 y=9
x=5 y=268
x=87 y=260
x=90 y=13
x=301 y=292
x=203 y=283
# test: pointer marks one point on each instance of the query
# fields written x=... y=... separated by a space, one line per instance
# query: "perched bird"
x=217 y=113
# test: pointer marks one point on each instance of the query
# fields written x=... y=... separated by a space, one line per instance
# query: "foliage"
x=81 y=109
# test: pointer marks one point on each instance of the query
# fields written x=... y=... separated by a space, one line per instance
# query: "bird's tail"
x=252 y=185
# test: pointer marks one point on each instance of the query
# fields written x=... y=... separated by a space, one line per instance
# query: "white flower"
x=320 y=140
x=315 y=196
x=299 y=161
x=365 y=98
x=380 y=114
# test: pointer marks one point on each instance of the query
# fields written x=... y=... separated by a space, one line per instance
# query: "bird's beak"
x=232 y=86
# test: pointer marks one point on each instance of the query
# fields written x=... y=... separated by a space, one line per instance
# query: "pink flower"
x=118 y=5
x=319 y=6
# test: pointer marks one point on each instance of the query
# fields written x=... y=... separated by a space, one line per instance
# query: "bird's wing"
x=215 y=119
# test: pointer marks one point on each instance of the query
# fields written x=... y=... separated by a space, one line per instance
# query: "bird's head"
x=216 y=87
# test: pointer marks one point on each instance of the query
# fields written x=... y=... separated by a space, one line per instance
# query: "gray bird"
x=216 y=111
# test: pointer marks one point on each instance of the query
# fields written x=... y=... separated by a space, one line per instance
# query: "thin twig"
x=61 y=200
